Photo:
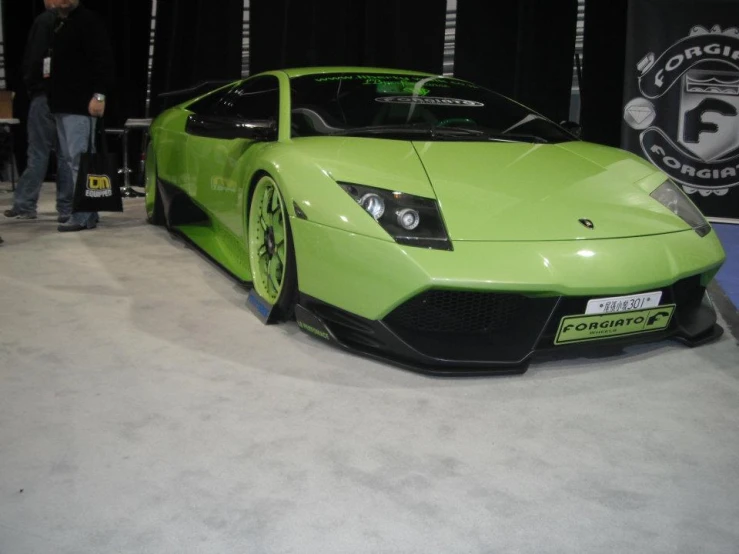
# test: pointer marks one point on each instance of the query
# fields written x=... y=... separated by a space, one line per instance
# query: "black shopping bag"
x=98 y=187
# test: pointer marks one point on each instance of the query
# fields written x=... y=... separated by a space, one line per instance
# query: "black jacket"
x=81 y=62
x=37 y=47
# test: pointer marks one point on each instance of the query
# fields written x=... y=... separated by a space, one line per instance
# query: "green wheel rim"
x=268 y=240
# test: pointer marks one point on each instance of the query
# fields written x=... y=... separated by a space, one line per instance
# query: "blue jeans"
x=74 y=134
x=42 y=139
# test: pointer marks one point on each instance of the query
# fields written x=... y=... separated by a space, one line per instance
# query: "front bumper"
x=490 y=307
x=471 y=333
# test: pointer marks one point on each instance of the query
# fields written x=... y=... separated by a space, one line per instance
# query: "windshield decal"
x=430 y=100
x=401 y=87
x=366 y=79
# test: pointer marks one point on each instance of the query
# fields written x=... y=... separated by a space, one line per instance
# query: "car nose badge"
x=587 y=223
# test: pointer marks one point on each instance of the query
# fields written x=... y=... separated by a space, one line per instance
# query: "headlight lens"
x=674 y=199
x=374 y=205
x=409 y=219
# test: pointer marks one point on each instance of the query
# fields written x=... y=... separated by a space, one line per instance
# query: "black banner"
x=681 y=96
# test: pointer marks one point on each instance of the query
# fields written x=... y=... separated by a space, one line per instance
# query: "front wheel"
x=271 y=251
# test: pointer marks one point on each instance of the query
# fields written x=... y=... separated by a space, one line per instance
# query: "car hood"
x=385 y=164
x=527 y=192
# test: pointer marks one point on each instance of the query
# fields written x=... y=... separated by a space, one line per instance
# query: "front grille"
x=471 y=325
x=438 y=311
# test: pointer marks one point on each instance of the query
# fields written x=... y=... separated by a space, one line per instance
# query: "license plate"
x=624 y=303
x=583 y=328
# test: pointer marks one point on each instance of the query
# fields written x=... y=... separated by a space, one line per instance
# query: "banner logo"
x=98 y=186
x=688 y=113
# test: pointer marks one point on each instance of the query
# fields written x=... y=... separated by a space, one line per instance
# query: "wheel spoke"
x=275 y=287
x=276 y=204
x=264 y=268
x=274 y=279
x=264 y=207
x=279 y=234
x=280 y=255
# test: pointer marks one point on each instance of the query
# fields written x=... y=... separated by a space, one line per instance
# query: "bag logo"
x=692 y=89
x=98 y=186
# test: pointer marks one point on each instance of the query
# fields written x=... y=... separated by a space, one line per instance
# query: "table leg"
x=126 y=190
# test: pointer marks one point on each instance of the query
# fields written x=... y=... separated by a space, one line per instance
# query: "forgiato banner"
x=681 y=97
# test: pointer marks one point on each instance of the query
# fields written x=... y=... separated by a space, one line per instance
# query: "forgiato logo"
x=587 y=327
x=430 y=100
x=704 y=69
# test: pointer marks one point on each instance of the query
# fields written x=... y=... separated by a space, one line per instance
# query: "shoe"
x=75 y=226
x=18 y=215
x=63 y=218
x=71 y=227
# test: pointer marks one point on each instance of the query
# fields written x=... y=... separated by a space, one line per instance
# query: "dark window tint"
x=394 y=105
x=256 y=98
x=206 y=104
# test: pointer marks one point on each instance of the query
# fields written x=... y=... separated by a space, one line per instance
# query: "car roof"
x=302 y=71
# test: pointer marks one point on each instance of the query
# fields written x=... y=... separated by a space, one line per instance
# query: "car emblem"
x=587 y=223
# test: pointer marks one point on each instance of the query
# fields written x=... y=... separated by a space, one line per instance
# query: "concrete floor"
x=143 y=409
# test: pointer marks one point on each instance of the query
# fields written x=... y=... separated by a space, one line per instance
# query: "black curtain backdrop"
x=523 y=49
x=128 y=26
x=379 y=33
x=604 y=50
x=17 y=20
x=196 y=41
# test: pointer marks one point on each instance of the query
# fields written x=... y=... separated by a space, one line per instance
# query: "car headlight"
x=674 y=199
x=409 y=219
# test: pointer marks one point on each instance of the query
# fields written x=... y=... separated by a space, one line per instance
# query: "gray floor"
x=144 y=409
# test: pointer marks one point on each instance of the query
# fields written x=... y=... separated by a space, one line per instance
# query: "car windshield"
x=412 y=107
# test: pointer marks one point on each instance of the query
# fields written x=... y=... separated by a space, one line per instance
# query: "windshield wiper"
x=381 y=129
x=519 y=137
x=424 y=130
x=446 y=131
x=487 y=135
x=434 y=131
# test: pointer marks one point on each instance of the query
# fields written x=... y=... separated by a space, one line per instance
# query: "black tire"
x=150 y=173
x=289 y=298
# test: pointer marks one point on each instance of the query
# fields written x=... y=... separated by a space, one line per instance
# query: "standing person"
x=82 y=72
x=42 y=134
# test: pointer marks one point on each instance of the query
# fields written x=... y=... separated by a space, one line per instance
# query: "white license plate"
x=624 y=303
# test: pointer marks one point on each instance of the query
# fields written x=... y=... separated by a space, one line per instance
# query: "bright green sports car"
x=429 y=221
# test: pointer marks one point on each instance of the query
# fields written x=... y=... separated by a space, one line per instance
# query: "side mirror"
x=573 y=127
x=231 y=128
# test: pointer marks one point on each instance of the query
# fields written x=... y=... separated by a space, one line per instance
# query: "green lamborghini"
x=429 y=221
